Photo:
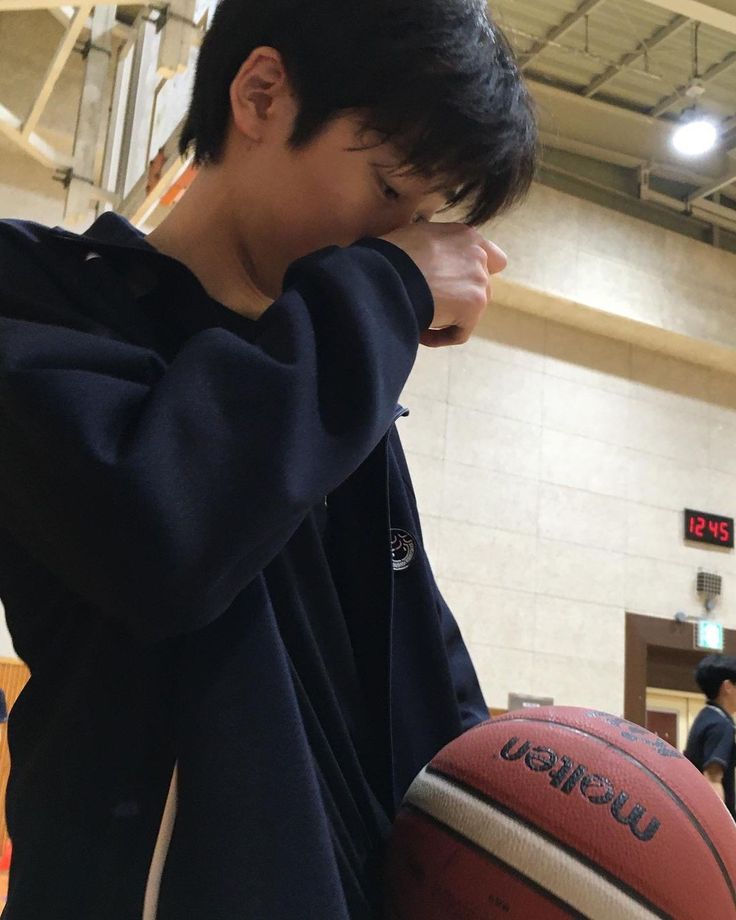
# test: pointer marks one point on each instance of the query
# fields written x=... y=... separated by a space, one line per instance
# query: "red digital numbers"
x=696 y=525
x=708 y=528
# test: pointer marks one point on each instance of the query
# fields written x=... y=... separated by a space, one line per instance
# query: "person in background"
x=710 y=744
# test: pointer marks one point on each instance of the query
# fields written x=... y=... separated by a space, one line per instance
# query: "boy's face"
x=728 y=695
x=293 y=202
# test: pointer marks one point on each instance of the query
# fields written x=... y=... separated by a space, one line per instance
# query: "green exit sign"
x=709 y=636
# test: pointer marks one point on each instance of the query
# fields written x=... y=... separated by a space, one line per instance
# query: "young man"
x=210 y=555
x=710 y=744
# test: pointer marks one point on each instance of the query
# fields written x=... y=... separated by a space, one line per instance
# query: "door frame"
x=644 y=633
x=681 y=704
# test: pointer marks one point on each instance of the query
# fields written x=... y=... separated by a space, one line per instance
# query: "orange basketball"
x=553 y=813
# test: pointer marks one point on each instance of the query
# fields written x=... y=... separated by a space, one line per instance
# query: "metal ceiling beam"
x=679 y=94
x=658 y=38
x=553 y=144
x=721 y=14
x=34 y=146
x=557 y=32
x=707 y=211
x=56 y=65
x=566 y=117
x=714 y=186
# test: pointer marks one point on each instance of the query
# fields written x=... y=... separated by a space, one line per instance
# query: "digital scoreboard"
x=702 y=527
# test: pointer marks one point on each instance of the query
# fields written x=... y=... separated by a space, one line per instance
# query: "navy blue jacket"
x=210 y=556
x=712 y=741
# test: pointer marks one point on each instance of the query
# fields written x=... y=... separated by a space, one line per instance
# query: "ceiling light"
x=695 y=136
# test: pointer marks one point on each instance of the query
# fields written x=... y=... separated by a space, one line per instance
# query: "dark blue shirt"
x=711 y=741
x=197 y=516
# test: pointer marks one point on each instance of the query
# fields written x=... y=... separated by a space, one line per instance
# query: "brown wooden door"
x=663 y=724
x=13 y=677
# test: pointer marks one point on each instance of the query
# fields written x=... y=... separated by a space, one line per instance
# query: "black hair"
x=712 y=671
x=435 y=77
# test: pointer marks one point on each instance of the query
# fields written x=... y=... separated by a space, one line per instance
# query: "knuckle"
x=481 y=254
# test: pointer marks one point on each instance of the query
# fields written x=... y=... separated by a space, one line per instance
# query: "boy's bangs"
x=482 y=169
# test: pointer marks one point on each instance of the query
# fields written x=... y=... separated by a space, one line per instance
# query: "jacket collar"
x=713 y=705
x=109 y=230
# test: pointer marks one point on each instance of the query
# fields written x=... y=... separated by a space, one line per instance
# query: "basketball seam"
x=670 y=792
x=546 y=835
x=491 y=857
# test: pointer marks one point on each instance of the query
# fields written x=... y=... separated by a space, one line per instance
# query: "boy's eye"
x=390 y=192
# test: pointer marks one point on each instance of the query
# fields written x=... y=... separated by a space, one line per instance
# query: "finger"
x=497 y=258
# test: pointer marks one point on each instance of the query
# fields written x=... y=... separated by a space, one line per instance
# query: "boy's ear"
x=256 y=91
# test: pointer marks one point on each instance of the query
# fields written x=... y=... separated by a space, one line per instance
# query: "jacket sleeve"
x=718 y=744
x=158 y=491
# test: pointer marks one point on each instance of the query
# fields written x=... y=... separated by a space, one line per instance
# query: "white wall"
x=630 y=272
x=552 y=467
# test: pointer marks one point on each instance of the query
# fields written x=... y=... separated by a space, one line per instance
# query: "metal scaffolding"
x=137 y=81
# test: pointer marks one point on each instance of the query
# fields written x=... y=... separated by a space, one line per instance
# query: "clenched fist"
x=458 y=263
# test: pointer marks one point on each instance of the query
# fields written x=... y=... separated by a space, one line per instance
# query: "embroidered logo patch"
x=403 y=549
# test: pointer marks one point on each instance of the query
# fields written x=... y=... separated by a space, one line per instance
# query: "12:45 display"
x=702 y=527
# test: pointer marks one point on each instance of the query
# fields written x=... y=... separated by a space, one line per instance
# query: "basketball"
x=560 y=812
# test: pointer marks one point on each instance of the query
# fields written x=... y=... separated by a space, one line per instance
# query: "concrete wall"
x=552 y=465
x=587 y=265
